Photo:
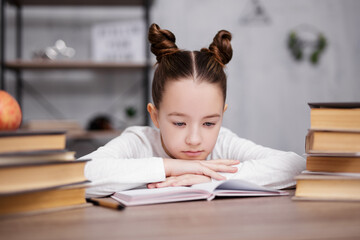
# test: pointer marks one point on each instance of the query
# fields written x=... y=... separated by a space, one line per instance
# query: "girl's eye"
x=179 y=124
x=209 y=124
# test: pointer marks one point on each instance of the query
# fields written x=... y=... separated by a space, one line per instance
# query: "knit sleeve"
x=258 y=164
x=125 y=162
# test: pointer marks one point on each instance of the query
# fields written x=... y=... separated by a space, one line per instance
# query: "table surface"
x=227 y=218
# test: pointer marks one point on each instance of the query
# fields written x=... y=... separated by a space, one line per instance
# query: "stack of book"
x=333 y=154
x=38 y=174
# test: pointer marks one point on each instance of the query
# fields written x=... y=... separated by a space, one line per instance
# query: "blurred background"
x=286 y=53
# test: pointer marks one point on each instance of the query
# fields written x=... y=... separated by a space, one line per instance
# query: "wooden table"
x=236 y=218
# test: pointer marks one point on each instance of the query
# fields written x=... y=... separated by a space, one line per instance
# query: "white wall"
x=267 y=90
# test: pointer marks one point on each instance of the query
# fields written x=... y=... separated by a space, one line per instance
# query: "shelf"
x=92 y=135
x=33 y=65
x=79 y=2
x=73 y=129
x=18 y=65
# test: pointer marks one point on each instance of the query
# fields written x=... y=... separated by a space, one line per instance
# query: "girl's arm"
x=123 y=163
x=185 y=173
x=110 y=175
x=258 y=164
x=178 y=167
x=126 y=162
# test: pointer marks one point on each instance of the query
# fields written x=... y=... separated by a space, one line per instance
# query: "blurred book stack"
x=332 y=146
x=72 y=127
x=38 y=174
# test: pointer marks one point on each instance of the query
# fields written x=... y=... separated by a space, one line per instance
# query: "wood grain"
x=227 y=218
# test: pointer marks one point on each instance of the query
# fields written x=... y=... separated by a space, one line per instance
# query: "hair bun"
x=162 y=41
x=221 y=47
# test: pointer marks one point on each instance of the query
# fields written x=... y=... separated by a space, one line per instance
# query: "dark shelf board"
x=78 y=2
x=92 y=135
x=34 y=65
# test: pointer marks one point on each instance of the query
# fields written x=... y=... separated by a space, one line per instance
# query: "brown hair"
x=174 y=64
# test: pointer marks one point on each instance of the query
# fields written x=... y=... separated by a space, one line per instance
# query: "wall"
x=267 y=90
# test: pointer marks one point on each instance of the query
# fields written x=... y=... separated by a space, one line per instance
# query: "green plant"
x=296 y=46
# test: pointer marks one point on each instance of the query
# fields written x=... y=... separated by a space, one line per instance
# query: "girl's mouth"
x=193 y=153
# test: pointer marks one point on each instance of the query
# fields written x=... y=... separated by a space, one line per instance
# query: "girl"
x=189 y=145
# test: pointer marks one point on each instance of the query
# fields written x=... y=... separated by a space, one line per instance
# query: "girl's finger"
x=167 y=183
x=220 y=168
x=151 y=185
x=191 y=180
x=210 y=173
x=184 y=182
x=223 y=161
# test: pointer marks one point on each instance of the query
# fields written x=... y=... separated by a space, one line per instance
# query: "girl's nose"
x=193 y=137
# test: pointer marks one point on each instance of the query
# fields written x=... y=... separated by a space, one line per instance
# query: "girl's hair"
x=175 y=64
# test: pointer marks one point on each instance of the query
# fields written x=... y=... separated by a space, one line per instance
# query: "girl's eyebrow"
x=212 y=115
x=184 y=115
x=177 y=114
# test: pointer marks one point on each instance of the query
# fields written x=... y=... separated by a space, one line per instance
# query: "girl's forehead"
x=191 y=97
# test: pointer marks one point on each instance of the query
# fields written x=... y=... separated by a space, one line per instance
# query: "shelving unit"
x=19 y=65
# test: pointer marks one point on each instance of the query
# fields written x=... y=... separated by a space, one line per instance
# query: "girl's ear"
x=153 y=114
x=225 y=107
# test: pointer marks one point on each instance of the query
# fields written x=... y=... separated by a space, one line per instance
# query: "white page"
x=232 y=184
x=160 y=195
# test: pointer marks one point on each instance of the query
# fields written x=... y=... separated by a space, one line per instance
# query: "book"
x=335 y=115
x=208 y=191
x=323 y=141
x=325 y=186
x=61 y=125
x=37 y=156
x=30 y=176
x=333 y=153
x=340 y=162
x=22 y=140
x=72 y=127
x=41 y=200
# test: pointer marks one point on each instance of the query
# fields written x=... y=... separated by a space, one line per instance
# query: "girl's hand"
x=183 y=180
x=210 y=168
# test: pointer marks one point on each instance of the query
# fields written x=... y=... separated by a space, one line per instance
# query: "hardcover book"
x=27 y=176
x=22 y=140
x=323 y=141
x=36 y=156
x=42 y=200
x=335 y=162
x=325 y=186
x=335 y=116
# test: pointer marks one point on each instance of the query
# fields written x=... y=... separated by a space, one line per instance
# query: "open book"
x=228 y=188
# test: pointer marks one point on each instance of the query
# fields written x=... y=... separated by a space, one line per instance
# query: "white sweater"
x=136 y=158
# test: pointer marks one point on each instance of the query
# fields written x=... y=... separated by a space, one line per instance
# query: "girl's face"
x=189 y=118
